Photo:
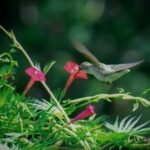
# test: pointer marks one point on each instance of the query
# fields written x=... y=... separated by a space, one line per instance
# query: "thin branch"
x=115 y=96
x=18 y=45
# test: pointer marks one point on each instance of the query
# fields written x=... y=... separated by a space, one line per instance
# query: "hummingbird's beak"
x=80 y=67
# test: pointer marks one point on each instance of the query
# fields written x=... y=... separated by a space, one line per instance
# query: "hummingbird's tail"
x=126 y=66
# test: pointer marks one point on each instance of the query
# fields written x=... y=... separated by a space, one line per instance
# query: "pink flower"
x=35 y=75
x=88 y=112
x=75 y=72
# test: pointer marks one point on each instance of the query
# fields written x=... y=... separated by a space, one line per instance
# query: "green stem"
x=18 y=45
x=56 y=101
x=25 y=53
x=99 y=97
x=140 y=146
x=86 y=145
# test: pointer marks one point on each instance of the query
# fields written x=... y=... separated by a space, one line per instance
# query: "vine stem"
x=86 y=145
x=18 y=45
x=123 y=96
x=56 y=101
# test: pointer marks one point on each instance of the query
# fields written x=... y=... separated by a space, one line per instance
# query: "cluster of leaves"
x=7 y=67
x=27 y=123
x=30 y=123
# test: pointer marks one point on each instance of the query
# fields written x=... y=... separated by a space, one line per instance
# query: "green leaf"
x=5 y=69
x=129 y=126
x=121 y=90
x=48 y=66
x=132 y=125
x=146 y=92
x=12 y=50
x=135 y=106
x=126 y=126
x=122 y=124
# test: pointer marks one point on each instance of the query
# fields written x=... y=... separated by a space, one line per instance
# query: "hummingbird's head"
x=85 y=66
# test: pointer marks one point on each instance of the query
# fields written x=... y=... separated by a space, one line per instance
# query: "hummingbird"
x=106 y=73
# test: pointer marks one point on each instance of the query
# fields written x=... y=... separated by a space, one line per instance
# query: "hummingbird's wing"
x=84 y=51
x=126 y=66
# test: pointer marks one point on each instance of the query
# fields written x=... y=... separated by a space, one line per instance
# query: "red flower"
x=89 y=111
x=35 y=75
x=75 y=72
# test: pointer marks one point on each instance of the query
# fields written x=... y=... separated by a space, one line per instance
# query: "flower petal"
x=90 y=109
x=35 y=74
x=71 y=66
x=81 y=75
x=88 y=112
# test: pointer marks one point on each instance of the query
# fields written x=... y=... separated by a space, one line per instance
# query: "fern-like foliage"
x=128 y=126
x=45 y=106
x=30 y=123
x=7 y=68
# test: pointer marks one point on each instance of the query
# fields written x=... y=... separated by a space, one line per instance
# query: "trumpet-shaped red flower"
x=75 y=72
x=35 y=75
x=88 y=112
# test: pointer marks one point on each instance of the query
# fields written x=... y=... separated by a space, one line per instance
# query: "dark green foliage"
x=41 y=124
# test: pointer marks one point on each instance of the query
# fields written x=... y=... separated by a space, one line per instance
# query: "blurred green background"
x=115 y=31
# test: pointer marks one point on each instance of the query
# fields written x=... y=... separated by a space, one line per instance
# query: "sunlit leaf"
x=128 y=126
x=48 y=66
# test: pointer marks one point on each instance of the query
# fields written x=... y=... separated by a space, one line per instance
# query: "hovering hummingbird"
x=103 y=72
